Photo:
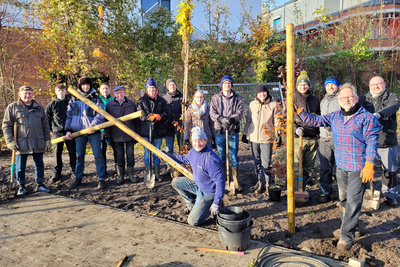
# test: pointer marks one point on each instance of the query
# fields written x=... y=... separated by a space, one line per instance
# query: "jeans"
x=191 y=193
x=121 y=151
x=351 y=192
x=58 y=149
x=326 y=155
x=233 y=144
x=20 y=167
x=169 y=142
x=157 y=143
x=262 y=156
x=95 y=143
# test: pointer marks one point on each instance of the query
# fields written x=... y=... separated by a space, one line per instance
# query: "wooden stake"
x=240 y=253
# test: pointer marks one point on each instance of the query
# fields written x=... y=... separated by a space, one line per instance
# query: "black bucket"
x=274 y=193
x=235 y=226
x=235 y=241
x=232 y=213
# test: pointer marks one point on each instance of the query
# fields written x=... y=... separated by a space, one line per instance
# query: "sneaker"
x=21 y=191
x=102 y=184
x=322 y=198
x=74 y=184
x=42 y=188
x=343 y=245
x=391 y=202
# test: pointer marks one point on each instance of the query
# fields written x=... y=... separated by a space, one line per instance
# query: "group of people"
x=345 y=130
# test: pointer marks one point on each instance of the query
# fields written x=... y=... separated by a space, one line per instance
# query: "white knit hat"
x=198 y=133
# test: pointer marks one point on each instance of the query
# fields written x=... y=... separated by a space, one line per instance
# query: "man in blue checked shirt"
x=355 y=134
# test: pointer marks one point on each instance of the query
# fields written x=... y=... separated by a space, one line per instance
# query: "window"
x=277 y=24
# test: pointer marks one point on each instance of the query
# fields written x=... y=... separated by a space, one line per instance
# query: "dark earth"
x=378 y=245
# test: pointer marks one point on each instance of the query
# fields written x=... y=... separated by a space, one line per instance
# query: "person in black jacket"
x=304 y=99
x=384 y=105
x=123 y=143
x=56 y=112
x=155 y=112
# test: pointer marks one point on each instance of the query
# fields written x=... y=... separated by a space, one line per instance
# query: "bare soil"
x=378 y=245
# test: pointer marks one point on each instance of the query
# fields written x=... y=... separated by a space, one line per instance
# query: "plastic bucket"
x=274 y=193
x=235 y=241
x=232 y=213
x=235 y=226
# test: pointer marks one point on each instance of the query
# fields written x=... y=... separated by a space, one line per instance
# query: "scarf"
x=155 y=95
x=351 y=111
x=330 y=97
x=199 y=111
x=378 y=95
x=85 y=94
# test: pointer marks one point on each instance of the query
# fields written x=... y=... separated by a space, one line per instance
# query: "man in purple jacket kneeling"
x=203 y=195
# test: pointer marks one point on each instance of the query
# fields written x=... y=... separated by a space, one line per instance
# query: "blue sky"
x=281 y=2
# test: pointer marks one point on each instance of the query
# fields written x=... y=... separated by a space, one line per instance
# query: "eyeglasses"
x=375 y=84
x=346 y=97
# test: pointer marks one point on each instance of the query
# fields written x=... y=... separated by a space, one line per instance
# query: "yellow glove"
x=48 y=145
x=367 y=174
x=13 y=145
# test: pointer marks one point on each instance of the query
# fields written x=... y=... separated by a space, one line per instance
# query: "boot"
x=146 y=175
x=259 y=187
x=131 y=176
x=235 y=172
x=157 y=173
x=121 y=174
x=268 y=179
x=56 y=176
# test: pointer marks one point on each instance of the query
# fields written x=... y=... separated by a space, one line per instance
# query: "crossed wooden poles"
x=118 y=122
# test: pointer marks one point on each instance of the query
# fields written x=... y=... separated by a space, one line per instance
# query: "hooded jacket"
x=158 y=105
x=386 y=105
x=56 y=112
x=329 y=104
x=310 y=104
x=33 y=128
x=174 y=111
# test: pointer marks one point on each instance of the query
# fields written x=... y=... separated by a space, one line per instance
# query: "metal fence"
x=246 y=90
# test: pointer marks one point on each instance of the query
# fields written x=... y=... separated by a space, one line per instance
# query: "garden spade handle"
x=12 y=162
x=300 y=184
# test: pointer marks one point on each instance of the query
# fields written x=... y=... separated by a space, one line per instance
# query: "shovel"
x=371 y=198
x=150 y=178
x=301 y=196
x=230 y=183
x=11 y=185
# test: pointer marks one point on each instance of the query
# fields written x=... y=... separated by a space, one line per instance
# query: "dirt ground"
x=378 y=245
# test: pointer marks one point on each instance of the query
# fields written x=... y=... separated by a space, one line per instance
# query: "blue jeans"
x=233 y=143
x=157 y=143
x=351 y=192
x=169 y=142
x=187 y=189
x=95 y=143
x=20 y=167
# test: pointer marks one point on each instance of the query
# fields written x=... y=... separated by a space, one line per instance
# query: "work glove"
x=297 y=109
x=225 y=123
x=13 y=145
x=300 y=131
x=232 y=120
x=154 y=117
x=377 y=115
x=48 y=145
x=214 y=209
x=244 y=139
x=367 y=174
x=186 y=142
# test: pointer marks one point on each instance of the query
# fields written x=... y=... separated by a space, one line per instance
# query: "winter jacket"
x=80 y=116
x=355 y=138
x=207 y=171
x=174 y=111
x=262 y=121
x=195 y=119
x=33 y=128
x=329 y=104
x=56 y=112
x=227 y=107
x=149 y=106
x=310 y=104
x=386 y=105
x=105 y=101
x=118 y=110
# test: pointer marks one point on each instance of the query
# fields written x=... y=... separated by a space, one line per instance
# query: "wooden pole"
x=290 y=125
x=128 y=117
x=128 y=131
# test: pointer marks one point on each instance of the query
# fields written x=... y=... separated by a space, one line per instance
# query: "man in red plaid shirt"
x=355 y=136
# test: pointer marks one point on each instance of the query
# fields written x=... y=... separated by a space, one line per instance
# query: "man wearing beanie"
x=261 y=128
x=384 y=105
x=304 y=98
x=203 y=195
x=226 y=111
x=80 y=116
x=155 y=113
x=326 y=148
x=174 y=110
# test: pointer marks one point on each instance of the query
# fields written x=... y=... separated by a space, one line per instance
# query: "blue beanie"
x=151 y=82
x=332 y=79
x=226 y=78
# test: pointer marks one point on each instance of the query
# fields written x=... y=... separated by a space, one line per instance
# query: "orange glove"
x=367 y=174
x=154 y=117
x=297 y=109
